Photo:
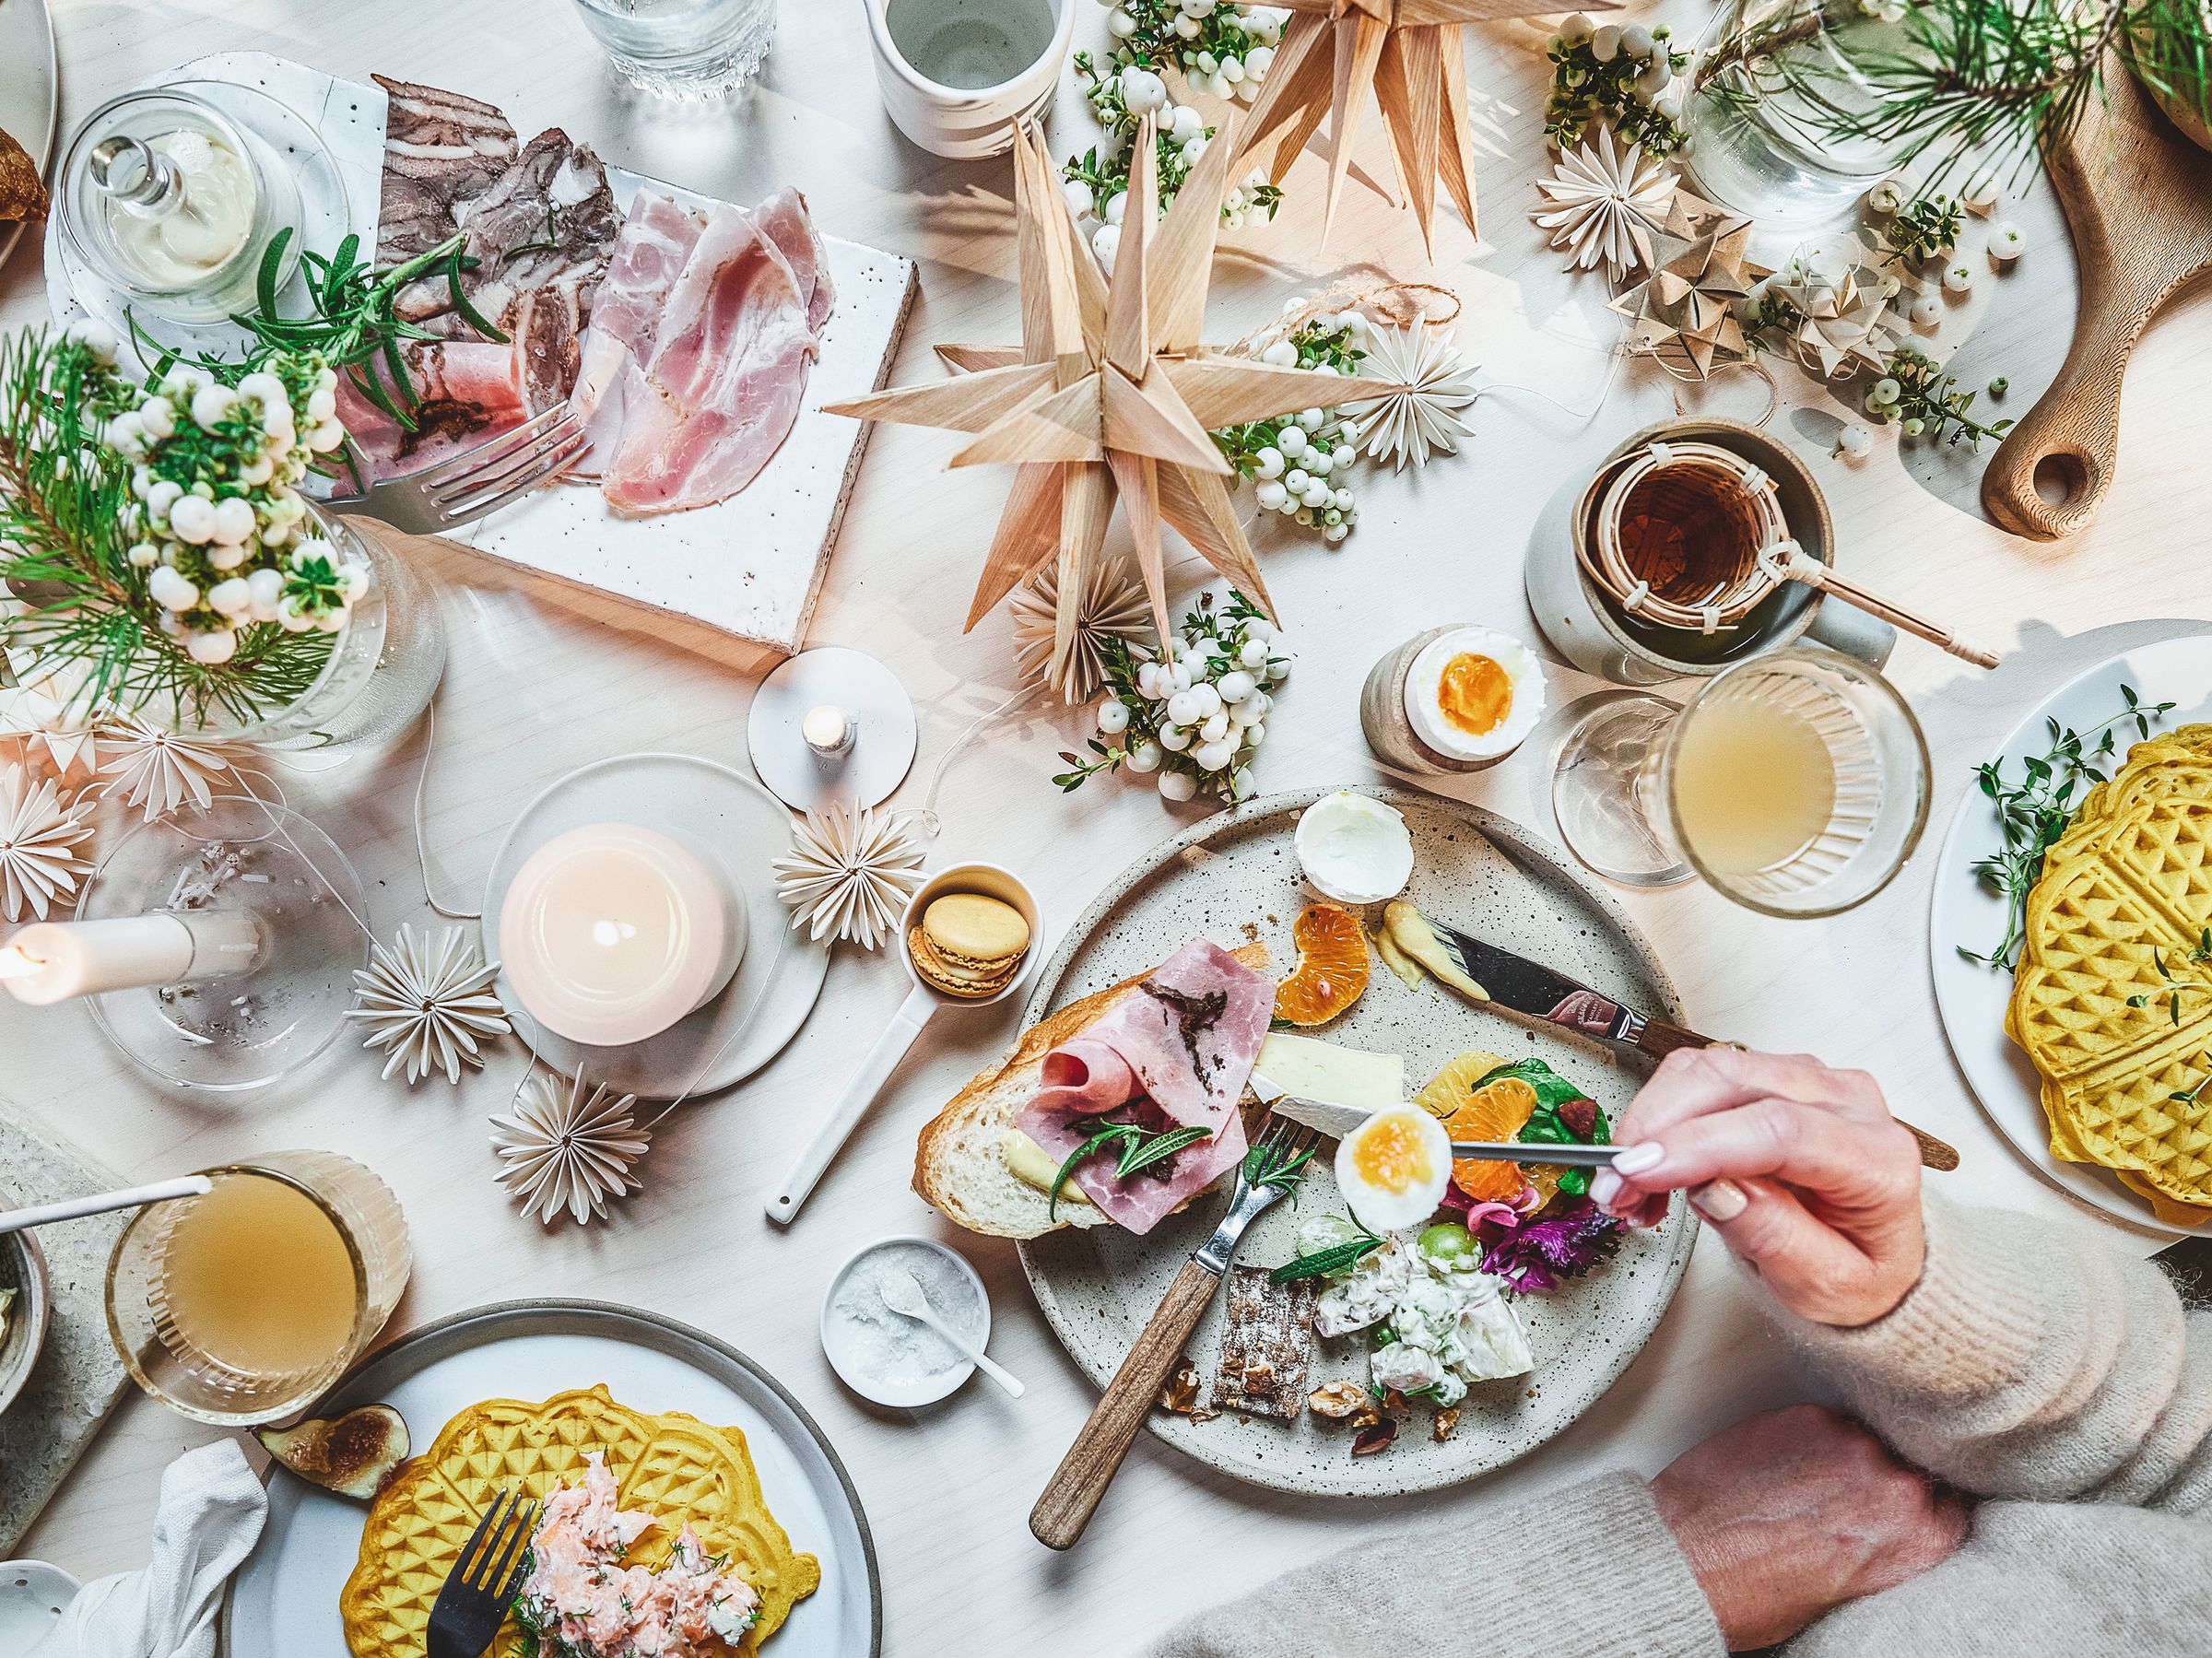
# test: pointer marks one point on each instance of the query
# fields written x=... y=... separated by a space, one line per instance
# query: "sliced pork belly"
x=471 y=390
x=723 y=384
x=440 y=147
x=788 y=225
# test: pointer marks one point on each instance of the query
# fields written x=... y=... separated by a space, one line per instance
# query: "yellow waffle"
x=674 y=1467
x=2122 y=910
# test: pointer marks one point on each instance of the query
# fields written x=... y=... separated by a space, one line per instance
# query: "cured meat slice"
x=726 y=379
x=1188 y=1037
x=649 y=255
x=790 y=225
x=471 y=390
x=439 y=146
x=1086 y=1077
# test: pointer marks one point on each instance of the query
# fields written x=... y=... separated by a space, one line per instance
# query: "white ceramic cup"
x=960 y=122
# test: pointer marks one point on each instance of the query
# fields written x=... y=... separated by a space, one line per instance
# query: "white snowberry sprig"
x=1300 y=464
x=1196 y=713
x=222 y=525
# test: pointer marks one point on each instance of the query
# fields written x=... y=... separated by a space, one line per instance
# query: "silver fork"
x=1270 y=1168
x=476 y=482
x=472 y=1603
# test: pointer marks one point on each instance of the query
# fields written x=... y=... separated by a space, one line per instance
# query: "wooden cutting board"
x=2137 y=196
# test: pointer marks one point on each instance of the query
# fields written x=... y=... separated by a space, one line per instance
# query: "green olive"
x=1448 y=1244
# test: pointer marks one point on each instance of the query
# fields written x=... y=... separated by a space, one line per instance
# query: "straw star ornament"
x=1409 y=56
x=1683 y=315
x=1110 y=394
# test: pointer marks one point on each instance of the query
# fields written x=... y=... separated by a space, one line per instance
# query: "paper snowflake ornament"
x=1439 y=383
x=1839 y=294
x=1604 y=203
x=1111 y=607
x=1684 y=315
x=39 y=863
x=156 y=770
x=849 y=874
x=429 y=999
x=1110 y=396
x=568 y=1144
x=47 y=711
x=1406 y=55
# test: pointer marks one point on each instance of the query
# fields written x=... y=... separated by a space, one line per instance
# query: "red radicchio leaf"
x=1538 y=1256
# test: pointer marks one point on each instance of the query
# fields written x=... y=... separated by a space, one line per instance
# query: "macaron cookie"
x=969 y=946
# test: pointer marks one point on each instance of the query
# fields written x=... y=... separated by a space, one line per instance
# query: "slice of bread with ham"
x=962 y=1165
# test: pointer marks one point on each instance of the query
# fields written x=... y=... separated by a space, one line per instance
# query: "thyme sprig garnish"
x=1140 y=1148
x=2033 y=813
x=2199 y=953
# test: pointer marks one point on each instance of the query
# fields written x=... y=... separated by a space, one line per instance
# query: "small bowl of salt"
x=887 y=1357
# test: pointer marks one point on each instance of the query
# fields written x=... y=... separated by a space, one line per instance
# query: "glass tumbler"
x=682 y=48
x=243 y=1306
x=1795 y=784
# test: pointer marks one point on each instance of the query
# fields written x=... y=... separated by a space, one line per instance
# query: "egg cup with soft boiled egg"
x=1473 y=695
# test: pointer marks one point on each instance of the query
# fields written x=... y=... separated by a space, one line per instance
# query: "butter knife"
x=1537 y=992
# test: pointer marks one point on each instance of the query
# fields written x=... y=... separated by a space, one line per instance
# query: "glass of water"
x=682 y=48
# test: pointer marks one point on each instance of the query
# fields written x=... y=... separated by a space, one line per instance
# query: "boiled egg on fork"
x=1393 y=1169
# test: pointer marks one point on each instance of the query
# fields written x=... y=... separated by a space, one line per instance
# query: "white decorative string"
x=422 y=848
x=932 y=824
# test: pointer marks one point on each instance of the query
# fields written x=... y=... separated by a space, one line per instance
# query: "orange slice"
x=1332 y=967
x=1497 y=1113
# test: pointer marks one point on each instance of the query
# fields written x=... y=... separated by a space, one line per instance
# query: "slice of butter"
x=1312 y=1069
x=1033 y=1166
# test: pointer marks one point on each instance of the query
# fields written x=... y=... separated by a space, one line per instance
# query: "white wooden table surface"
x=541 y=681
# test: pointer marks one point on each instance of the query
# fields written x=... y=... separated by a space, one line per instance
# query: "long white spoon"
x=131 y=1197
x=902 y=1293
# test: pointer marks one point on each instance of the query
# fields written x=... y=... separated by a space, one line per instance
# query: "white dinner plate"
x=284 y=1602
x=1966 y=915
x=775 y=986
x=28 y=83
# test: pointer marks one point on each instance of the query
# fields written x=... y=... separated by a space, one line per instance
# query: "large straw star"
x=1410 y=53
x=1110 y=393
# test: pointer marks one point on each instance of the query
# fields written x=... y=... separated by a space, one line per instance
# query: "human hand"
x=1800 y=1169
x=1790 y=1513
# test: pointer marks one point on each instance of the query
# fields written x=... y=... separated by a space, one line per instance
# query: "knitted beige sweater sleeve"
x=2024 y=1365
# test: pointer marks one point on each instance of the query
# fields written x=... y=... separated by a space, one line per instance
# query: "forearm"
x=1591 y=1568
x=2023 y=1364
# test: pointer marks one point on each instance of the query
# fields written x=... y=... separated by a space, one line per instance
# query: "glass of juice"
x=1795 y=784
x=244 y=1305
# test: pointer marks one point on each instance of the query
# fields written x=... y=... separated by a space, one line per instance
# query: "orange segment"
x=1332 y=967
x=1497 y=1113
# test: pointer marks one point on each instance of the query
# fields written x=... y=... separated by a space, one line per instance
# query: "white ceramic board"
x=1966 y=915
x=284 y=1602
x=752 y=566
x=30 y=90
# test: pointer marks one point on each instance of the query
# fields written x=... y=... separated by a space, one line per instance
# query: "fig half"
x=353 y=1456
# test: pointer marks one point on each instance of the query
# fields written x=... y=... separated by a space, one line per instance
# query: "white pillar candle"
x=828 y=730
x=613 y=932
x=51 y=961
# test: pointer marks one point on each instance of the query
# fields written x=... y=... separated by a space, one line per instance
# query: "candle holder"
x=830 y=727
x=234 y=1030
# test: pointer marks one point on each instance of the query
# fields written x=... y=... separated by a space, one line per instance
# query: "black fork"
x=473 y=1600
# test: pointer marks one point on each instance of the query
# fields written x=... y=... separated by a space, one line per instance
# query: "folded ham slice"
x=784 y=219
x=1185 y=1043
x=714 y=401
x=471 y=390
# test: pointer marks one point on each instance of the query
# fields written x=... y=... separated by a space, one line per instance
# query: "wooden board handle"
x=1660 y=1039
x=2136 y=196
x=1072 y=1495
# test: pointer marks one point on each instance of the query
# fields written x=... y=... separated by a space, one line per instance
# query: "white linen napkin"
x=211 y=1513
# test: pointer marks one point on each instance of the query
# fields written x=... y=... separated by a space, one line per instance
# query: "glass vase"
x=1779 y=90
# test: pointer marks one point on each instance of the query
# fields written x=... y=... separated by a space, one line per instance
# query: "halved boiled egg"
x=1393 y=1169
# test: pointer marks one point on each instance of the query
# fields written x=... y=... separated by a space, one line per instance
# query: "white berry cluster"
x=1196 y=713
x=1221 y=48
x=1300 y=464
x=223 y=535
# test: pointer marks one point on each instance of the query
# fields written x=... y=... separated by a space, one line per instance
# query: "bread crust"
x=947 y=1151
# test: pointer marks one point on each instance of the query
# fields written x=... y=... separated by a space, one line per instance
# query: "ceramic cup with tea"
x=1592 y=629
x=958 y=74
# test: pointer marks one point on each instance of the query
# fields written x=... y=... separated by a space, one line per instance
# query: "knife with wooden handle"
x=1531 y=989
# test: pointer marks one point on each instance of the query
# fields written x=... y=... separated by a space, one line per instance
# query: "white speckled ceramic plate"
x=1233 y=879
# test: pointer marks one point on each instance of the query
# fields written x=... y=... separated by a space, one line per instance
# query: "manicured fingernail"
x=1605 y=1186
x=1636 y=1159
x=1719 y=1200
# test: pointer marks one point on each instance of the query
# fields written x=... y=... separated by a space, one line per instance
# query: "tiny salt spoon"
x=902 y=1293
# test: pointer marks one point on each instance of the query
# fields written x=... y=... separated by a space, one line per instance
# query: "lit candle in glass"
x=55 y=960
x=828 y=730
x=614 y=932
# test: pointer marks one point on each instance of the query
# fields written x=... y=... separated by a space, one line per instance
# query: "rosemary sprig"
x=2033 y=814
x=1322 y=1262
x=1140 y=1148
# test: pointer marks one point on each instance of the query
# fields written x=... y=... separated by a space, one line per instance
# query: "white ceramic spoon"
x=902 y=1293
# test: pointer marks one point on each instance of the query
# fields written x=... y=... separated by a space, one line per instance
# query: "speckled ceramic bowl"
x=1234 y=878
x=22 y=1269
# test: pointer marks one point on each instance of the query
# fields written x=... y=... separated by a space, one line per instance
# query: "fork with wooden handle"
x=1269 y=1170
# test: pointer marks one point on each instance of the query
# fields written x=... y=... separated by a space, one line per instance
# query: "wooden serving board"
x=2137 y=196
